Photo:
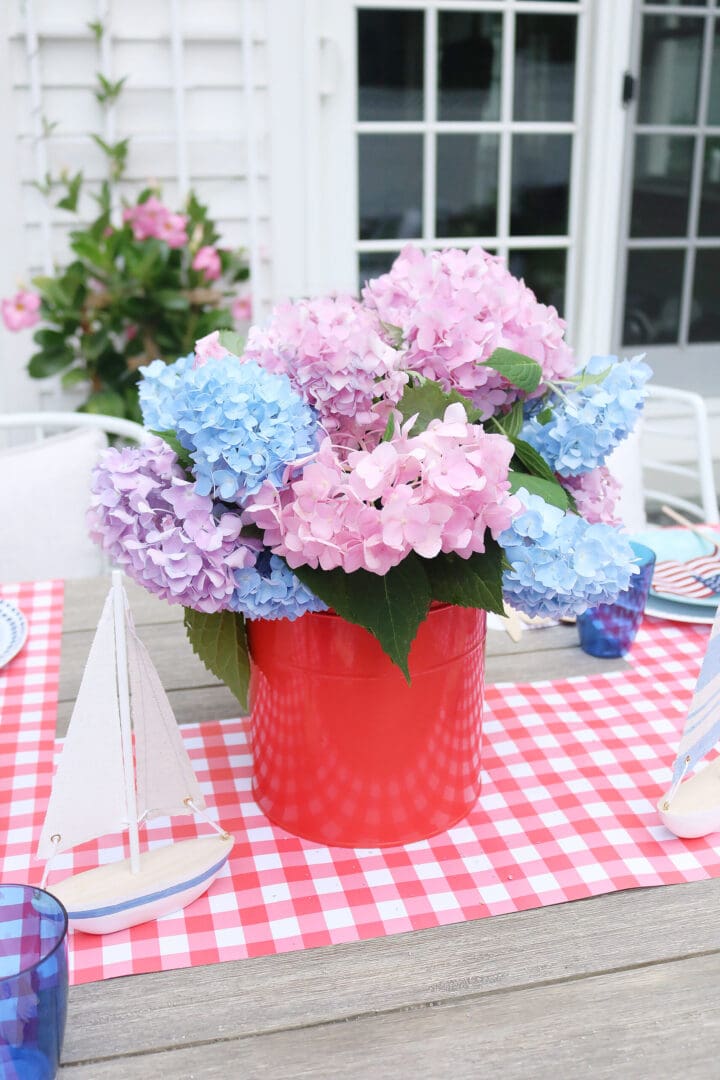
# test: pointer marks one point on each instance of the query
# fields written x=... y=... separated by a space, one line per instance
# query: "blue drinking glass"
x=33 y=982
x=609 y=629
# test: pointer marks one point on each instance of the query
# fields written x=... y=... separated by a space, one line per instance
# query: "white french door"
x=466 y=132
x=668 y=300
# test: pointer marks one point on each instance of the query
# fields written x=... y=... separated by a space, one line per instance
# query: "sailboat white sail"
x=692 y=807
x=165 y=790
x=100 y=787
x=88 y=794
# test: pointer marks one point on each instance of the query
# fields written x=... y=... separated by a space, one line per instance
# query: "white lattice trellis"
x=195 y=105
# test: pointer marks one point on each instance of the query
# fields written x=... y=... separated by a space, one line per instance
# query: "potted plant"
x=141 y=287
x=338 y=505
x=142 y=282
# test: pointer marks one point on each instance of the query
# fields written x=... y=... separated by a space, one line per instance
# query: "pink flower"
x=144 y=219
x=152 y=219
x=440 y=490
x=242 y=309
x=21 y=310
x=172 y=230
x=209 y=348
x=596 y=494
x=334 y=354
x=207 y=260
x=454 y=309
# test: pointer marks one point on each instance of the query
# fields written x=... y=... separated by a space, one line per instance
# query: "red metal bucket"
x=345 y=752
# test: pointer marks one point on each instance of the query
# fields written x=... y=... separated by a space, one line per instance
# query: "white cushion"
x=44 y=496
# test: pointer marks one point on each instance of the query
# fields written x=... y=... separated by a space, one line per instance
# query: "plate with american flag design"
x=687 y=570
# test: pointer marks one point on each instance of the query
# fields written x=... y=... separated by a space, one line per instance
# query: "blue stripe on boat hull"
x=138 y=901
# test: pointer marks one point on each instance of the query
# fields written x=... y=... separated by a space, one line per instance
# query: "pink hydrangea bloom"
x=455 y=308
x=21 y=310
x=241 y=309
x=368 y=509
x=152 y=219
x=596 y=494
x=207 y=260
x=333 y=352
x=209 y=348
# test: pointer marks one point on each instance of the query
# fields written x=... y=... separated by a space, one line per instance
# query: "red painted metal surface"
x=345 y=752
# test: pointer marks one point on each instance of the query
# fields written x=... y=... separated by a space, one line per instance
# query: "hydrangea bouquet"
x=434 y=441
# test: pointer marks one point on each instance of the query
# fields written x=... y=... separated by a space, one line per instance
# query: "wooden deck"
x=622 y=985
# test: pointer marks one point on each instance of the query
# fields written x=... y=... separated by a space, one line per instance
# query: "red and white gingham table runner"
x=28 y=710
x=572 y=771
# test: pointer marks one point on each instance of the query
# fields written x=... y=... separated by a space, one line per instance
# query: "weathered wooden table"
x=623 y=985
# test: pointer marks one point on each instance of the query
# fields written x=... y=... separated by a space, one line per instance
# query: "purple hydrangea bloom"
x=270 y=590
x=587 y=426
x=241 y=424
x=149 y=519
x=560 y=564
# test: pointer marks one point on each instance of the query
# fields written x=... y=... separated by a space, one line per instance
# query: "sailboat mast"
x=125 y=724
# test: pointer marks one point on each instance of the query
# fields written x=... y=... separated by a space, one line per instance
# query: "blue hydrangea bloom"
x=157 y=389
x=241 y=424
x=587 y=427
x=560 y=564
x=270 y=590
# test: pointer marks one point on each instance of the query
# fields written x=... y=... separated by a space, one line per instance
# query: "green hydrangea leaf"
x=531 y=460
x=512 y=421
x=586 y=378
x=549 y=490
x=220 y=641
x=233 y=342
x=390 y=607
x=429 y=401
x=174 y=443
x=473 y=582
x=393 y=333
x=521 y=371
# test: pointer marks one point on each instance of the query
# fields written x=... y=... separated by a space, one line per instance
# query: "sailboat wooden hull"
x=111 y=897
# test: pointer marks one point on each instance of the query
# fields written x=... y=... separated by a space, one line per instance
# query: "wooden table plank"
x=138 y=1014
x=651 y=1021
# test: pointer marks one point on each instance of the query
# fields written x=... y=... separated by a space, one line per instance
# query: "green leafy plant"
x=142 y=283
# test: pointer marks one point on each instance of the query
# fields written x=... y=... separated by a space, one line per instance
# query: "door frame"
x=685 y=366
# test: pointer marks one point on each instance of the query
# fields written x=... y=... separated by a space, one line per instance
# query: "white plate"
x=13 y=631
x=679 y=612
x=679 y=544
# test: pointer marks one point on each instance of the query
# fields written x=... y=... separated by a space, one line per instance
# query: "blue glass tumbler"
x=610 y=629
x=33 y=982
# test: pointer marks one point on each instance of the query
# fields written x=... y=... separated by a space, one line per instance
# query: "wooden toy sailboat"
x=100 y=787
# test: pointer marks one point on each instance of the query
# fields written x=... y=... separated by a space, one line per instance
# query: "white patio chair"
x=668 y=461
x=677 y=455
x=45 y=491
